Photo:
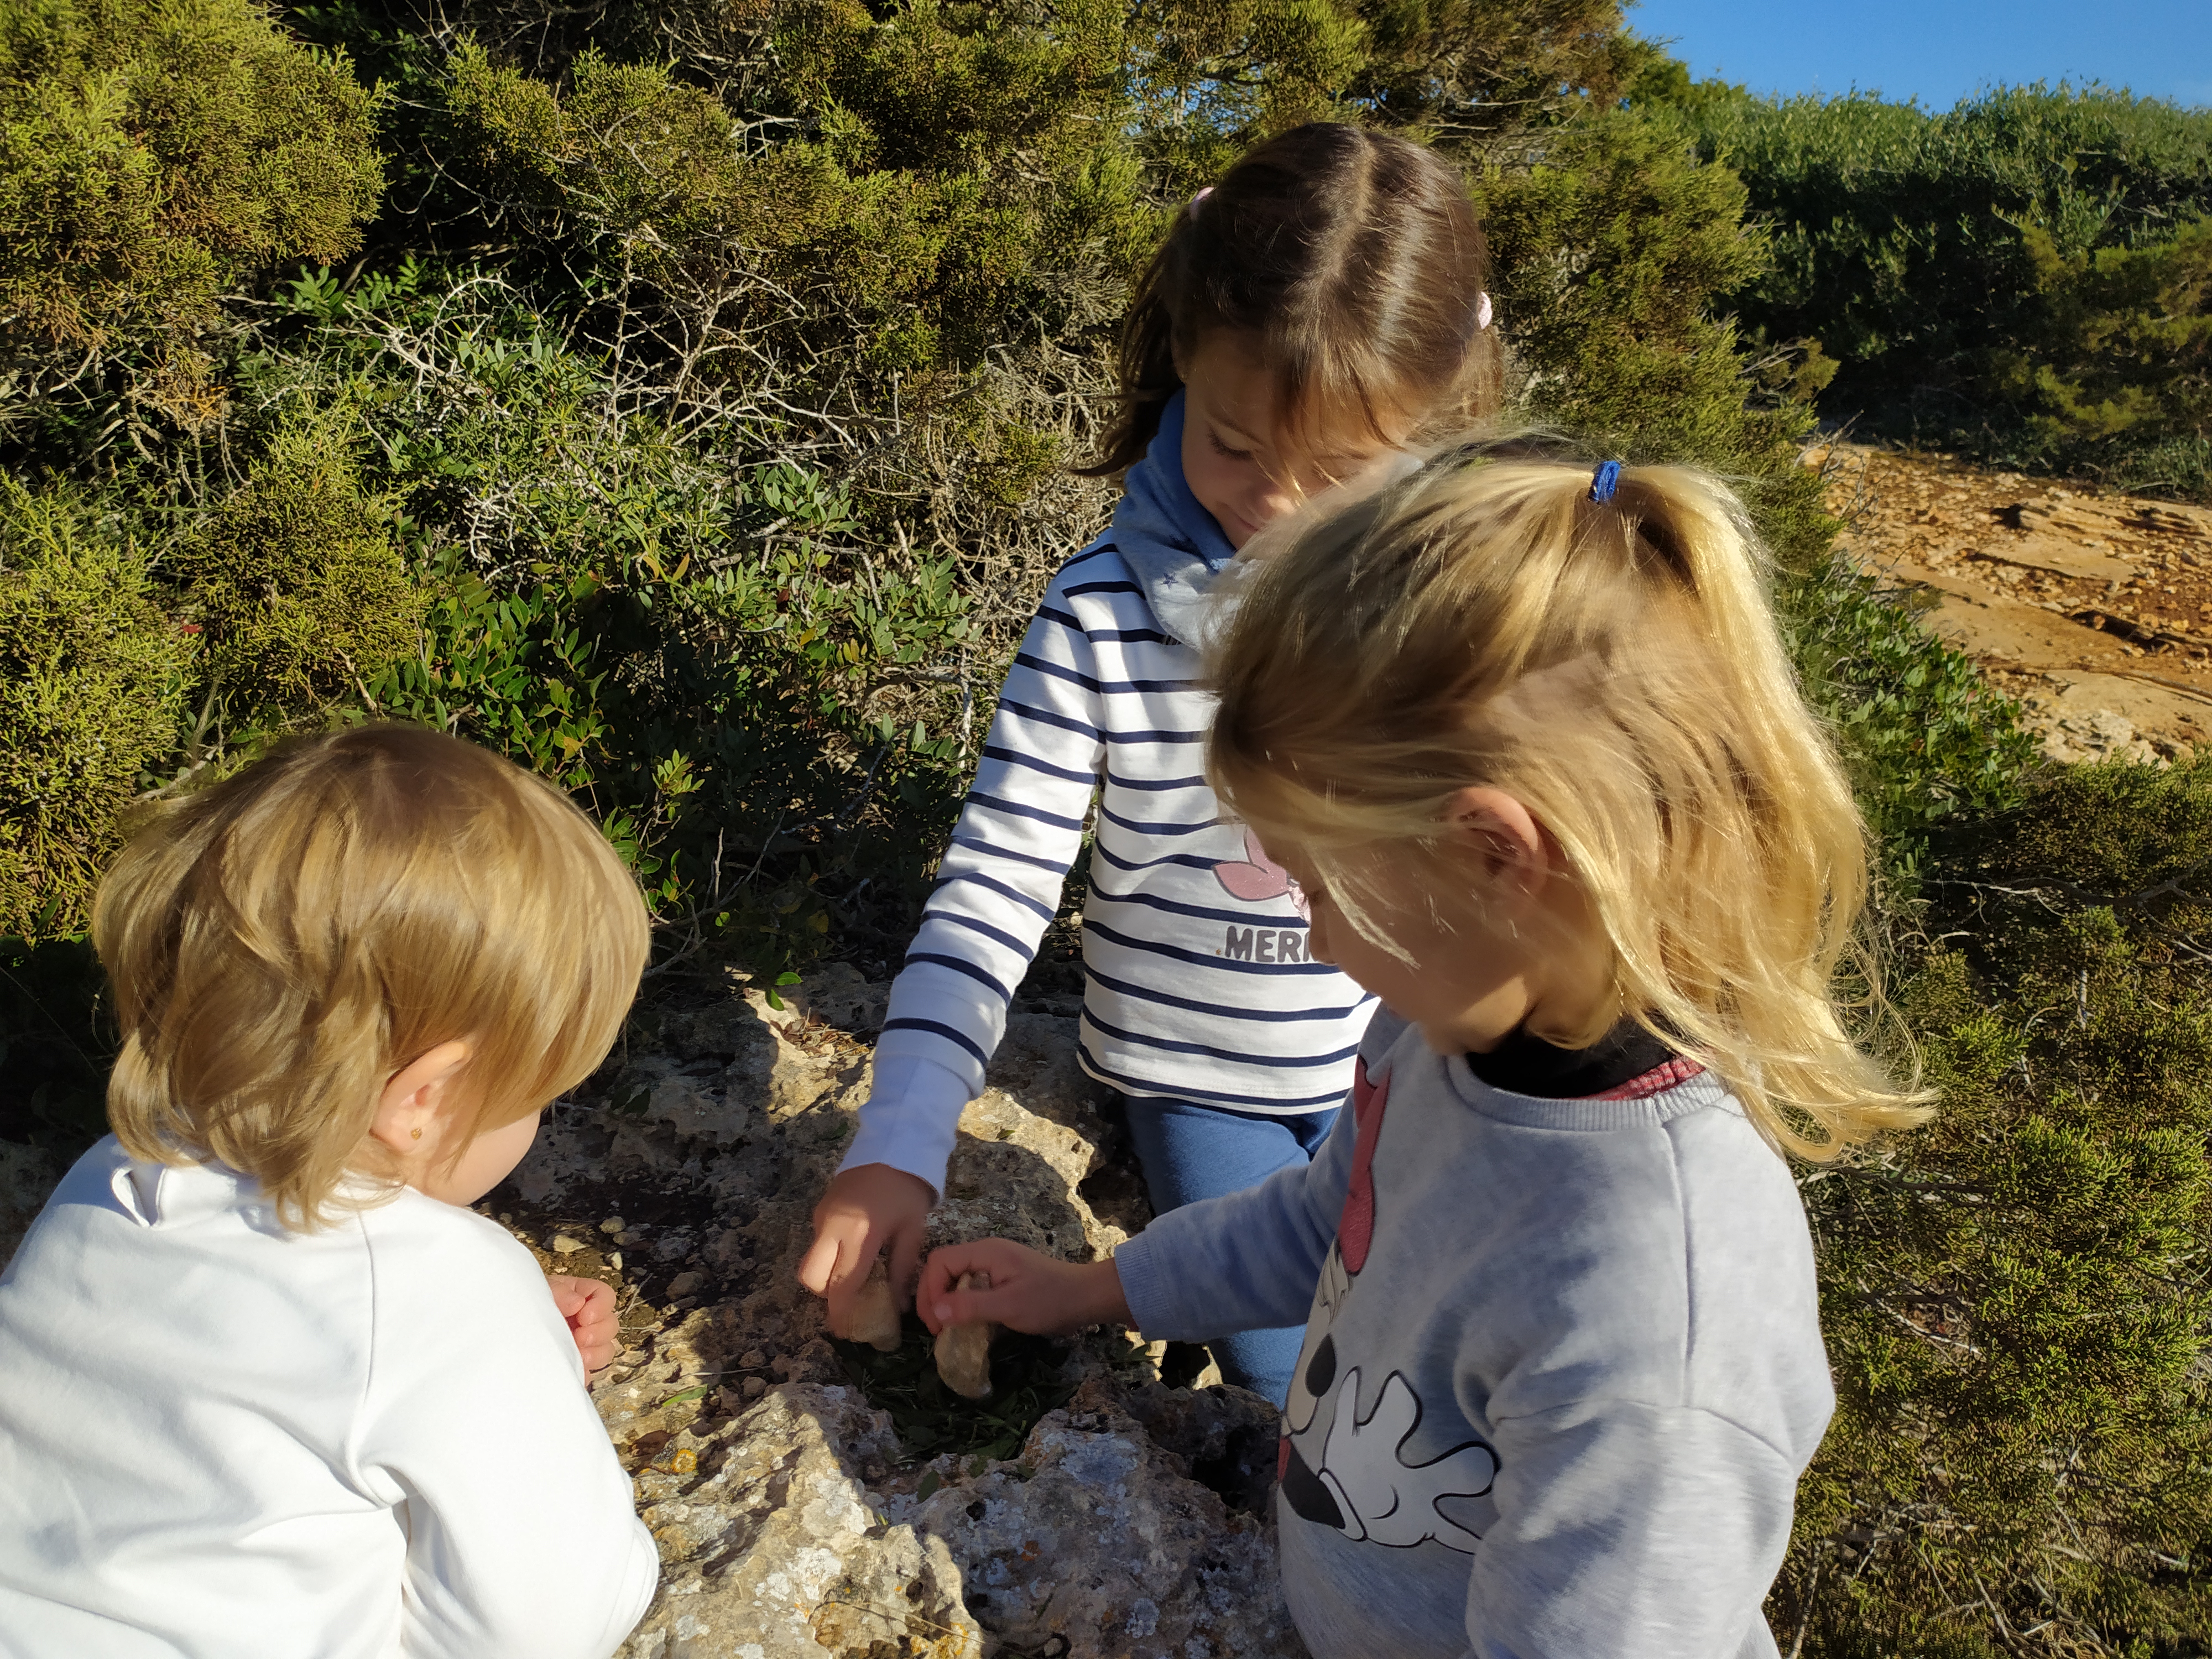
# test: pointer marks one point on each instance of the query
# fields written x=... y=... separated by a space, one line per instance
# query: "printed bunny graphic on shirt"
x=1362 y=1483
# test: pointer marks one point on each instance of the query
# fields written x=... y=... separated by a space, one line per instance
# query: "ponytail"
x=1615 y=665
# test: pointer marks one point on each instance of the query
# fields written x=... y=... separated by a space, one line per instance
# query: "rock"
x=841 y=997
x=1097 y=1535
x=613 y=1224
x=2094 y=734
x=713 y=1106
x=875 y=1319
x=963 y=1352
x=772 y=1547
x=785 y=1532
x=564 y=1245
x=27 y=1174
x=1131 y=1523
x=1027 y=1146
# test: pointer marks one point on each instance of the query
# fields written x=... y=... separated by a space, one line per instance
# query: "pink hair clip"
x=1203 y=193
x=1481 y=313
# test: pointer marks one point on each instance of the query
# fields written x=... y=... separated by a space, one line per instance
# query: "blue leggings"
x=1191 y=1152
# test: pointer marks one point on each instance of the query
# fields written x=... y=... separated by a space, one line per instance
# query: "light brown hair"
x=1355 y=260
x=1616 y=667
x=282 y=943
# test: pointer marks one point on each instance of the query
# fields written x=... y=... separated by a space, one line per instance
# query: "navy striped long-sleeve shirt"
x=1197 y=983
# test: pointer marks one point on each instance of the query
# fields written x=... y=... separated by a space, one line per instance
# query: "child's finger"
x=569 y=1295
x=906 y=1261
x=997 y=1306
x=1002 y=1265
x=940 y=1272
x=821 y=1258
x=856 y=1256
x=597 y=1313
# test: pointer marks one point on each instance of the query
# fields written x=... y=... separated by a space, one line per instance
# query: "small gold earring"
x=417 y=1133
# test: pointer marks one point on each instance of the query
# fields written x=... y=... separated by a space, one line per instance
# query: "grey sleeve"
x=1245 y=1261
x=1630 y=1531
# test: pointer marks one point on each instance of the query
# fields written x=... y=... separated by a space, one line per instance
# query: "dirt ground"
x=2095 y=610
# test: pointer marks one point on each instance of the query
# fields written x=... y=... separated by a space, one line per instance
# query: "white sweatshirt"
x=222 y=1440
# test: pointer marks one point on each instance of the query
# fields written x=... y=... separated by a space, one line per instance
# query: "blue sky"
x=1940 y=51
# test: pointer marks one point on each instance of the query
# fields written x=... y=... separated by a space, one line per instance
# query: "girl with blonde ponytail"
x=1523 y=730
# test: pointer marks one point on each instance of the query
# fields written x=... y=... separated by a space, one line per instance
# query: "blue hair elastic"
x=1604 y=481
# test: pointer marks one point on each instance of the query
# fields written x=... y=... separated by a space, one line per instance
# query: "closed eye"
x=1223 y=449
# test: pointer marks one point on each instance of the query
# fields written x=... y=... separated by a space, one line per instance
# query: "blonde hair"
x=1615 y=667
x=279 y=944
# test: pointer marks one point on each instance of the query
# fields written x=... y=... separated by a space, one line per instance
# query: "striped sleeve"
x=999 y=886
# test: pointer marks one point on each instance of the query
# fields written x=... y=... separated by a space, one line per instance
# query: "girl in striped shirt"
x=1305 y=317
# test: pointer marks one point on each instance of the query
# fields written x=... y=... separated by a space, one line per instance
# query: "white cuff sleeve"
x=911 y=1119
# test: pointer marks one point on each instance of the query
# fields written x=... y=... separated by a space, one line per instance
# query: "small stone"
x=754 y=1388
x=752 y=1360
x=963 y=1352
x=613 y=1224
x=615 y=1261
x=875 y=1316
x=564 y=1245
x=686 y=1284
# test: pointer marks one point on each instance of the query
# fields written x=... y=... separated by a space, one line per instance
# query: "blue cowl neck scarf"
x=1168 y=539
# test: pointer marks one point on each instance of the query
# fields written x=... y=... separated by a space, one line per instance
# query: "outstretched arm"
x=1030 y=1291
x=999 y=887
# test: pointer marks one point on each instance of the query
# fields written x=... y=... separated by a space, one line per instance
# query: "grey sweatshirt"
x=1562 y=1367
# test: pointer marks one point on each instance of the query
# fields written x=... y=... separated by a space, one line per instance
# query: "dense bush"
x=154 y=152
x=2028 y=273
x=92 y=681
x=301 y=597
x=2015 y=1302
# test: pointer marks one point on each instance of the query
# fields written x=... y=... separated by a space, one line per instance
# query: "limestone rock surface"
x=773 y=1546
x=1098 y=1536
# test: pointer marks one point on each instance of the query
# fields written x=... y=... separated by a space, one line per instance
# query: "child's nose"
x=1317 y=943
x=1271 y=500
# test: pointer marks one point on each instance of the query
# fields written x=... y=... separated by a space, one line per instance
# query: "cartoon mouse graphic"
x=1255 y=878
x=1356 y=1477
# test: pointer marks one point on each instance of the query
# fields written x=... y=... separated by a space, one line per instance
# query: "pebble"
x=754 y=1388
x=686 y=1283
x=564 y=1245
x=752 y=1360
x=613 y=1224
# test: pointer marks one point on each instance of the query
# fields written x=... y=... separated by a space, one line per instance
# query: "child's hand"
x=1029 y=1292
x=588 y=1305
x=865 y=1208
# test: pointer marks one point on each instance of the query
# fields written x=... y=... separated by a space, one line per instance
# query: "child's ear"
x=1495 y=828
x=409 y=1110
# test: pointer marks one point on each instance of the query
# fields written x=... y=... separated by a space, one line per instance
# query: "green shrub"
x=301 y=596
x=2117 y=357
x=2013 y=1298
x=93 y=675
x=2022 y=274
x=154 y=152
x=1613 y=250
x=1929 y=740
